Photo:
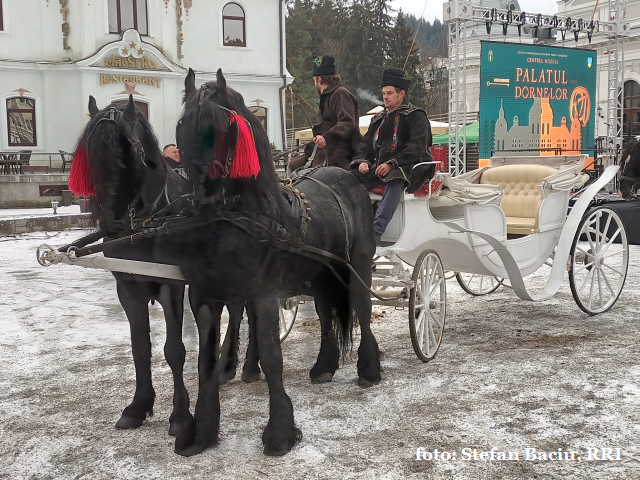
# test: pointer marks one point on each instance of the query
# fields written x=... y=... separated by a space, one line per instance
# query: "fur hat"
x=324 y=65
x=394 y=77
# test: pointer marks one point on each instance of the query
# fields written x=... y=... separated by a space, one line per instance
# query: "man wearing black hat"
x=397 y=140
x=337 y=134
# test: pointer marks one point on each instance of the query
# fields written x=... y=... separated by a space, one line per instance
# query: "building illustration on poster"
x=542 y=105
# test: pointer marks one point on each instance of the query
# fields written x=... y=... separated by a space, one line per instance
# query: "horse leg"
x=328 y=359
x=229 y=354
x=172 y=300
x=202 y=431
x=251 y=369
x=134 y=298
x=360 y=301
x=281 y=434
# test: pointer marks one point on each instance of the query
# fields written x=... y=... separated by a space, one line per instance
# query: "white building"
x=600 y=11
x=55 y=53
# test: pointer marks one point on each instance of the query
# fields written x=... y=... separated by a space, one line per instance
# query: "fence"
x=26 y=162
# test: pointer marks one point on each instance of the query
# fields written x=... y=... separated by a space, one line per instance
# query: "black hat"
x=394 y=77
x=324 y=65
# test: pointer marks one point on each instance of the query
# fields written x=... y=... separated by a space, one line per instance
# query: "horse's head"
x=629 y=173
x=120 y=147
x=217 y=135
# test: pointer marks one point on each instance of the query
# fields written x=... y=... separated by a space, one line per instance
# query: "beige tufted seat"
x=521 y=200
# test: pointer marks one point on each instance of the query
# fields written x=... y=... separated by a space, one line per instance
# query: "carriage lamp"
x=54 y=204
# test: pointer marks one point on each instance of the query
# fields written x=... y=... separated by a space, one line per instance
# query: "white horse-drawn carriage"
x=503 y=221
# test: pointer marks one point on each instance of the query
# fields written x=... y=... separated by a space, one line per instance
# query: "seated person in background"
x=172 y=156
x=337 y=134
x=396 y=141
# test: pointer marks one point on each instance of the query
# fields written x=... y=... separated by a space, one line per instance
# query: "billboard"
x=536 y=100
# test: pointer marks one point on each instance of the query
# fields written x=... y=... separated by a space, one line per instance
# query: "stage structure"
x=456 y=13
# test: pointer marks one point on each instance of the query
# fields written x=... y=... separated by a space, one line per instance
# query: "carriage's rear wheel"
x=427 y=305
x=599 y=261
x=288 y=309
x=477 y=285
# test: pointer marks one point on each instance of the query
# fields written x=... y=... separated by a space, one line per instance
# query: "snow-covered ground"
x=9 y=213
x=510 y=374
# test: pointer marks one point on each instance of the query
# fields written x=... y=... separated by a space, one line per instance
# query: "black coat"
x=338 y=123
x=412 y=140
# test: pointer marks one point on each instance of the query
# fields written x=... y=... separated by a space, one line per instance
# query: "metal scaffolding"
x=458 y=12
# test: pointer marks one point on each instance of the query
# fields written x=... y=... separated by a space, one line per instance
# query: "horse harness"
x=635 y=180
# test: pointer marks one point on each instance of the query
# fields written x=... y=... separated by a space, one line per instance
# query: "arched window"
x=261 y=114
x=233 y=26
x=21 y=122
x=631 y=109
x=1 y=20
x=125 y=14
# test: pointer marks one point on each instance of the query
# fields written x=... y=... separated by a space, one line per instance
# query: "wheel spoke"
x=586 y=279
x=597 y=231
x=587 y=233
x=593 y=284
x=437 y=285
x=606 y=228
x=575 y=272
x=432 y=335
x=611 y=268
x=618 y=252
x=611 y=240
x=599 y=286
x=606 y=280
x=425 y=336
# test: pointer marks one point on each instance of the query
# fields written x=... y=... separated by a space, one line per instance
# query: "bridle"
x=230 y=152
x=635 y=180
x=136 y=145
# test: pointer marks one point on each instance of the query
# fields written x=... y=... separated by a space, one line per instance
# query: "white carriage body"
x=421 y=222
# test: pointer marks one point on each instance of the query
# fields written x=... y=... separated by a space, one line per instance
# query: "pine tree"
x=403 y=54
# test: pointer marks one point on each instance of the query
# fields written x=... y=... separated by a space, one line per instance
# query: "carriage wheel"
x=598 y=265
x=477 y=285
x=288 y=309
x=427 y=305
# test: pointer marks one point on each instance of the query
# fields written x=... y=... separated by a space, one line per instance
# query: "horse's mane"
x=631 y=149
x=114 y=154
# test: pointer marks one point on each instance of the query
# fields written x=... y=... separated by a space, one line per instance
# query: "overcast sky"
x=434 y=7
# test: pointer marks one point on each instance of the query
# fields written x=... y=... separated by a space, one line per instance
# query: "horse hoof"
x=324 y=378
x=226 y=377
x=250 y=377
x=364 y=383
x=190 y=451
x=277 y=445
x=125 y=423
x=176 y=428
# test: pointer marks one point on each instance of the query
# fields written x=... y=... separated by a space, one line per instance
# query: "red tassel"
x=81 y=175
x=245 y=162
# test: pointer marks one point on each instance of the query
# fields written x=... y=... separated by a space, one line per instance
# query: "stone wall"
x=17 y=191
x=51 y=223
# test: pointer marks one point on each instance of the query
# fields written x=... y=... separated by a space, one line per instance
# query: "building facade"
x=55 y=53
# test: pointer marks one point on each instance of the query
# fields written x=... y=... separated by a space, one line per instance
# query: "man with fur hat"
x=397 y=140
x=337 y=134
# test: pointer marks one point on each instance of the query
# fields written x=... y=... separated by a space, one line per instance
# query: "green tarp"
x=473 y=134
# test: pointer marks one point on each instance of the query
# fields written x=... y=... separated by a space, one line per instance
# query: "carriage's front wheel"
x=599 y=261
x=427 y=305
x=477 y=285
x=288 y=309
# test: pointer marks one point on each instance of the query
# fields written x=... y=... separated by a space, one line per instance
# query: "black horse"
x=629 y=170
x=133 y=189
x=245 y=247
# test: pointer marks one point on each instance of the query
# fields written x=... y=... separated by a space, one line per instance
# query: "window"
x=631 y=106
x=21 y=122
x=142 y=106
x=1 y=20
x=261 y=114
x=233 y=28
x=125 y=14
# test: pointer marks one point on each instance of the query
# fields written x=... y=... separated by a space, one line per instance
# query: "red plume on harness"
x=81 y=175
x=245 y=158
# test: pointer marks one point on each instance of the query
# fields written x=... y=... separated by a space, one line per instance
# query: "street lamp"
x=54 y=204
